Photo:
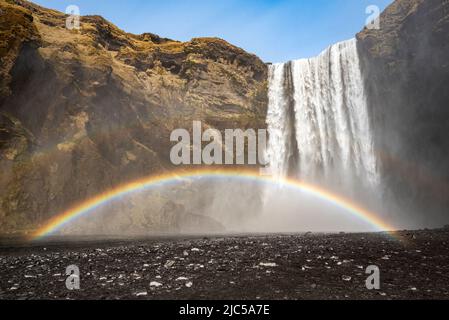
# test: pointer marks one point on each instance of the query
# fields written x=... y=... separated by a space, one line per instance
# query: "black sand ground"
x=241 y=267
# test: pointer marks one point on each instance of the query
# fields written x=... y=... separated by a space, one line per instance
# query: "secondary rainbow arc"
x=91 y=204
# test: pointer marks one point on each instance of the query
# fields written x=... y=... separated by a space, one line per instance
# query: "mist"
x=216 y=206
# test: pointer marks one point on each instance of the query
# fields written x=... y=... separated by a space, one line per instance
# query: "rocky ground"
x=413 y=265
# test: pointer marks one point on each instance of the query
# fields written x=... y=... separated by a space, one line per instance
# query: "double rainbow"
x=88 y=206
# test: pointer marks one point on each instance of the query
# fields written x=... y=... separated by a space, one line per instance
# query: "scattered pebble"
x=181 y=279
x=268 y=264
x=346 y=278
x=155 y=284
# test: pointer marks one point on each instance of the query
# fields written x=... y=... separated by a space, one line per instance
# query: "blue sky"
x=275 y=30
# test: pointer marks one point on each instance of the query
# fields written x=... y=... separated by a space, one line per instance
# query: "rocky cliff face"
x=84 y=110
x=406 y=65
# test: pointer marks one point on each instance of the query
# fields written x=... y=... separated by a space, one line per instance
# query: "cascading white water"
x=277 y=120
x=329 y=139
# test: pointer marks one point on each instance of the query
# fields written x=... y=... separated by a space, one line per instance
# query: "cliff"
x=84 y=110
x=406 y=65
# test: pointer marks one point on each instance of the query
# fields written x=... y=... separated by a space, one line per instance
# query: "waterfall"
x=318 y=121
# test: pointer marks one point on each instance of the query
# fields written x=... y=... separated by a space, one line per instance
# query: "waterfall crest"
x=318 y=120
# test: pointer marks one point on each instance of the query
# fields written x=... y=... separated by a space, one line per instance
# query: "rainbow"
x=156 y=181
